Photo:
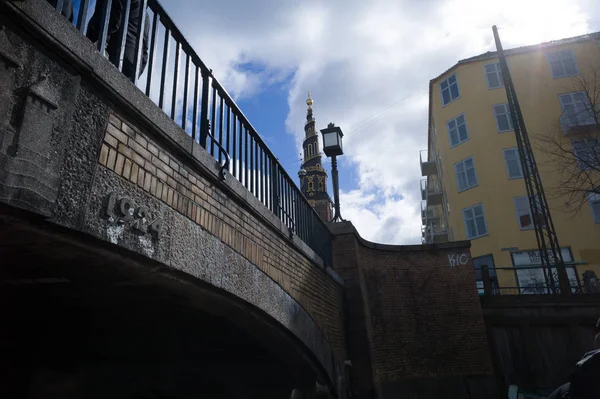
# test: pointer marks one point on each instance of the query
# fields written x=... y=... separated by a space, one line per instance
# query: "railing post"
x=275 y=187
x=139 y=41
x=487 y=282
x=563 y=279
x=204 y=108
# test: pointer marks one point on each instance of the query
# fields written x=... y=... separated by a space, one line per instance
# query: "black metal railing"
x=186 y=90
x=527 y=280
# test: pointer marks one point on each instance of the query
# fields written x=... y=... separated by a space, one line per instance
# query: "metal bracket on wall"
x=225 y=165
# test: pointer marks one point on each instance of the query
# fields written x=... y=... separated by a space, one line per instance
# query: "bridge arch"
x=101 y=321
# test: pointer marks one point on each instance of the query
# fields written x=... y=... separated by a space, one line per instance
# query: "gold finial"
x=309 y=101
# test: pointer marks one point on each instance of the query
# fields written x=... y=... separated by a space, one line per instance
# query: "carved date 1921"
x=138 y=218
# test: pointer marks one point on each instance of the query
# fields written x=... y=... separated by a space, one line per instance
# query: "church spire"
x=313 y=178
x=309 y=113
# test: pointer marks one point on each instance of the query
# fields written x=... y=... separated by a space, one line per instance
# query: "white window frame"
x=455 y=119
x=450 y=92
x=549 y=54
x=591 y=147
x=516 y=150
x=472 y=207
x=498 y=73
x=581 y=109
x=526 y=199
x=508 y=117
x=465 y=172
x=594 y=199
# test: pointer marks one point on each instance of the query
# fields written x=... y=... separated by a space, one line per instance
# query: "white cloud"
x=357 y=58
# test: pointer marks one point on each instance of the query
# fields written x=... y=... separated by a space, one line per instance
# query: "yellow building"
x=473 y=187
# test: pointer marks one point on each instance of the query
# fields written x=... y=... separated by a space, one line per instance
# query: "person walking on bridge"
x=115 y=32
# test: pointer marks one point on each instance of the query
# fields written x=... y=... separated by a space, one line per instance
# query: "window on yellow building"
x=457 y=130
x=577 y=109
x=525 y=215
x=493 y=75
x=474 y=219
x=594 y=200
x=523 y=210
x=587 y=153
x=513 y=163
x=562 y=63
x=465 y=174
x=503 y=119
x=449 y=90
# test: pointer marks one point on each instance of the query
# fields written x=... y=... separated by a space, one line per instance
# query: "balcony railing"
x=430 y=213
x=584 y=119
x=434 y=233
x=428 y=166
x=431 y=191
x=185 y=89
x=531 y=280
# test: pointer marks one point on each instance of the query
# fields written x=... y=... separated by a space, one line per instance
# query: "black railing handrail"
x=253 y=163
x=549 y=283
x=215 y=82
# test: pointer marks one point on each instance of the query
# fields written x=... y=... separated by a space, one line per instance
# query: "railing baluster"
x=175 y=80
x=251 y=166
x=234 y=156
x=288 y=198
x=123 y=38
x=228 y=130
x=139 y=41
x=151 y=56
x=186 y=82
x=246 y=157
x=82 y=15
x=103 y=25
x=262 y=176
x=213 y=99
x=59 y=6
x=195 y=109
x=204 y=109
x=221 y=113
x=241 y=154
x=165 y=59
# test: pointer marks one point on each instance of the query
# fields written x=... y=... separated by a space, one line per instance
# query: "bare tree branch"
x=574 y=158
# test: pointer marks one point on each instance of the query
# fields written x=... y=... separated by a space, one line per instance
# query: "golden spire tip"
x=309 y=101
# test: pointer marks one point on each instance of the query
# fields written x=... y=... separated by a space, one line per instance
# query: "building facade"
x=313 y=178
x=473 y=186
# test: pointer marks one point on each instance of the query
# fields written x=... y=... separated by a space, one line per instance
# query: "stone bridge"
x=115 y=223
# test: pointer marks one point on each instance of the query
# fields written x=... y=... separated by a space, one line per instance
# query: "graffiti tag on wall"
x=455 y=259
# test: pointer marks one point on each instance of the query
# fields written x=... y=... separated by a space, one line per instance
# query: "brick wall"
x=420 y=319
x=133 y=155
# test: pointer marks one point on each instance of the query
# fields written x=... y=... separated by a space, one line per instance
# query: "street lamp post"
x=332 y=147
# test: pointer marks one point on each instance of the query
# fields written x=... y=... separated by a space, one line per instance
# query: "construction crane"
x=547 y=240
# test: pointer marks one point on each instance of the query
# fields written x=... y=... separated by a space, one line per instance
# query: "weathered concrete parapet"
x=415 y=326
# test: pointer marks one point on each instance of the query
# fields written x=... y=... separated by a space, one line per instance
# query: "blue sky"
x=367 y=66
